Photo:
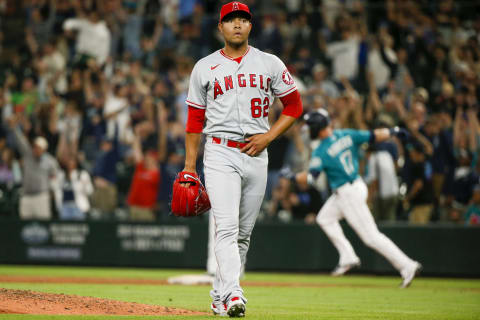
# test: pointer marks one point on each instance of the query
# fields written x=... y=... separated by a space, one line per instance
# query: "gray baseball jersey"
x=237 y=96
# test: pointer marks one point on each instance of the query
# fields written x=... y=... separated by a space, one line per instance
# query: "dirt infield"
x=31 y=302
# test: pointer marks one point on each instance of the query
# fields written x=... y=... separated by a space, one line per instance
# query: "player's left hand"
x=256 y=144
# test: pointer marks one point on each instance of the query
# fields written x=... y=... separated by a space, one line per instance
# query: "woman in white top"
x=73 y=188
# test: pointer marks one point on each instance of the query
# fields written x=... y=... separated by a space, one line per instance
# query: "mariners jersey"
x=338 y=156
x=237 y=96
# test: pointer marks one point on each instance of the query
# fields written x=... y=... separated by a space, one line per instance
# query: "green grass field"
x=316 y=296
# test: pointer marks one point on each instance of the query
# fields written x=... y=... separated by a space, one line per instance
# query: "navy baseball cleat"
x=340 y=270
x=236 y=308
x=410 y=273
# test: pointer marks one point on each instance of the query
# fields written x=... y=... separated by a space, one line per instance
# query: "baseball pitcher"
x=229 y=96
x=337 y=155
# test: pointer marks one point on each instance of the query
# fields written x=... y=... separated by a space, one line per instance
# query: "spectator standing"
x=10 y=180
x=104 y=198
x=144 y=188
x=40 y=26
x=117 y=113
x=39 y=168
x=25 y=100
x=419 y=188
x=93 y=39
x=74 y=186
x=388 y=111
x=382 y=62
x=132 y=29
x=344 y=54
x=466 y=150
x=349 y=108
x=54 y=65
x=382 y=177
x=10 y=173
x=142 y=197
x=438 y=131
x=321 y=84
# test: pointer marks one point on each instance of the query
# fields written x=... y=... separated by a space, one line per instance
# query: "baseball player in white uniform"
x=229 y=96
x=337 y=155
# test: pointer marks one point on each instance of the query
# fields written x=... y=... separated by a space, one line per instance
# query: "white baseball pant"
x=236 y=184
x=350 y=202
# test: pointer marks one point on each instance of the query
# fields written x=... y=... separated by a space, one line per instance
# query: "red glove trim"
x=196 y=118
x=185 y=176
x=292 y=104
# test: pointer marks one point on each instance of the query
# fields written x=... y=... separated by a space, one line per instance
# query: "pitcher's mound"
x=31 y=302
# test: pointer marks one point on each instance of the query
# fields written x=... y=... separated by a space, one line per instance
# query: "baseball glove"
x=190 y=200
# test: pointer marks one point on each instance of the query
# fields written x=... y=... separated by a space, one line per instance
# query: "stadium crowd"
x=92 y=102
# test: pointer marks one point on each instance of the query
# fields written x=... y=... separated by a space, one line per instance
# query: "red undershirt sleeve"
x=292 y=104
x=195 y=120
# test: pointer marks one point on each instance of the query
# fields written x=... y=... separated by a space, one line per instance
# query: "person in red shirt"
x=142 y=196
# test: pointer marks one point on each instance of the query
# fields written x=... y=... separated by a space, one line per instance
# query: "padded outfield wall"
x=443 y=250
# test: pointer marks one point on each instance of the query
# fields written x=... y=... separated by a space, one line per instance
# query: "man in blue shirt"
x=337 y=155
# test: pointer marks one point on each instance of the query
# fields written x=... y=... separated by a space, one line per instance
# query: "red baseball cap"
x=232 y=7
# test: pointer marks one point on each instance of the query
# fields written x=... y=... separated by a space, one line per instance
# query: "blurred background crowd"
x=93 y=114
